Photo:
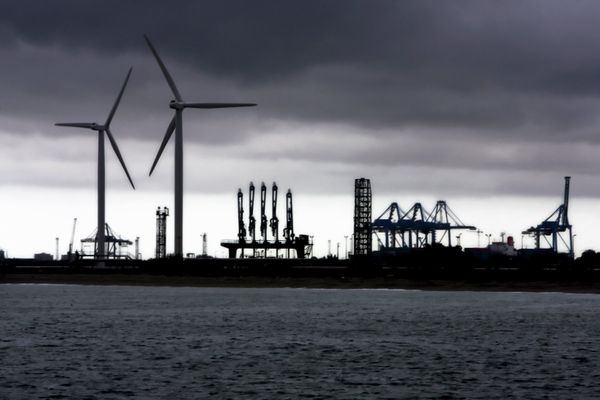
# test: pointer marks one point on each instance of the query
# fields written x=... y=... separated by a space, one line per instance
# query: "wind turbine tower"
x=176 y=124
x=103 y=129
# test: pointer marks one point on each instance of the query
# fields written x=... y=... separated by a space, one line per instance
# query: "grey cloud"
x=491 y=65
x=504 y=89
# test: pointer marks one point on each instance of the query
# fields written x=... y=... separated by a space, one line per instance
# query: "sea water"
x=112 y=342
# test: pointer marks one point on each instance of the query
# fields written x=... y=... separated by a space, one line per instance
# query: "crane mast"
x=288 y=232
x=251 y=219
x=263 y=216
x=274 y=223
x=241 y=227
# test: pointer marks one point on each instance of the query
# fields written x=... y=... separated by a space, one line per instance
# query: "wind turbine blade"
x=217 y=105
x=87 y=125
x=118 y=153
x=170 y=130
x=114 y=108
x=164 y=70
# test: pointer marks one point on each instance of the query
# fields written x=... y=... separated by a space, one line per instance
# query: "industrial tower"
x=204 y=245
x=161 y=232
x=362 y=217
x=555 y=225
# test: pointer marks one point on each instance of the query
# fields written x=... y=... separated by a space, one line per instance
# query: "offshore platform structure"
x=362 y=217
x=555 y=227
x=115 y=246
x=416 y=228
x=291 y=244
x=161 y=232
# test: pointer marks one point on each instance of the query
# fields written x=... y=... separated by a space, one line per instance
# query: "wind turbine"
x=102 y=129
x=176 y=125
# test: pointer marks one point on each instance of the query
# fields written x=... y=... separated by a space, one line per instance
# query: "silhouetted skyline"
x=435 y=100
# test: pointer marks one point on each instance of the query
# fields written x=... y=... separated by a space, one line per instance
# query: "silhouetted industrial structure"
x=362 y=217
x=115 y=247
x=416 y=227
x=104 y=129
x=161 y=232
x=70 y=254
x=300 y=245
x=555 y=226
x=138 y=256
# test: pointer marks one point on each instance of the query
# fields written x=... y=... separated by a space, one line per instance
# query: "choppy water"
x=92 y=342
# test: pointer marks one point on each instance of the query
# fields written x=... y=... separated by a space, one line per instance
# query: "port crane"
x=289 y=242
x=288 y=231
x=263 y=215
x=241 y=225
x=417 y=227
x=555 y=226
x=251 y=219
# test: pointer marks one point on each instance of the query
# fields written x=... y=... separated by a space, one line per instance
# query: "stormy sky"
x=464 y=99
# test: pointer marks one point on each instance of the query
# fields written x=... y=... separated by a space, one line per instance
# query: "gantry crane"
x=416 y=227
x=555 y=226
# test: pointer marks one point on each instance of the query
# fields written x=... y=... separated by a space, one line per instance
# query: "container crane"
x=555 y=225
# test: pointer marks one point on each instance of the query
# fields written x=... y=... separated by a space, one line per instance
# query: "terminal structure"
x=247 y=244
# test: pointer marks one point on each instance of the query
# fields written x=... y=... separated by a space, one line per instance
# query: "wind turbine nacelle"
x=176 y=105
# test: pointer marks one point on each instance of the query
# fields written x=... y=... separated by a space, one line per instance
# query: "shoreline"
x=303 y=282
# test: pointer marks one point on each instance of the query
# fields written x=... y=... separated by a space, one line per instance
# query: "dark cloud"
x=463 y=85
x=465 y=63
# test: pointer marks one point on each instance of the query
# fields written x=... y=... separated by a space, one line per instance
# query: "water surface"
x=109 y=342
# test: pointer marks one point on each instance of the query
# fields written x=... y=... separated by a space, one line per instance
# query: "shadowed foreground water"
x=101 y=342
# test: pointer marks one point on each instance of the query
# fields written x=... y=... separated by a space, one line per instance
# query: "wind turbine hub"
x=176 y=105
